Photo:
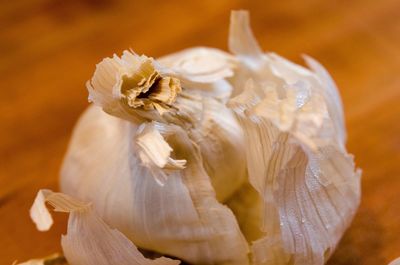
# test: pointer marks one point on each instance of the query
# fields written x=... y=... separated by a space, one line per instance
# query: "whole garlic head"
x=209 y=158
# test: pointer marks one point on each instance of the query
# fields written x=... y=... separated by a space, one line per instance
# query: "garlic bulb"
x=209 y=158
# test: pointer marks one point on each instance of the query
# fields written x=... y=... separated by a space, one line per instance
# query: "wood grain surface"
x=49 y=48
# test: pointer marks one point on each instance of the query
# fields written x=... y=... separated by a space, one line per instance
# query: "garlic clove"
x=220 y=139
x=181 y=218
x=296 y=158
x=303 y=220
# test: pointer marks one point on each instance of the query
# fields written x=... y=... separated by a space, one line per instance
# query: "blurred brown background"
x=49 y=48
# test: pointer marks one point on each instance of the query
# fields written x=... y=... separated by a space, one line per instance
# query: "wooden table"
x=49 y=48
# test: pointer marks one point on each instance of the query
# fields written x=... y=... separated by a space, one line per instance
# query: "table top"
x=49 y=48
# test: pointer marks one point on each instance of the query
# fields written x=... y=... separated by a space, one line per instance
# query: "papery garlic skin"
x=55 y=259
x=89 y=240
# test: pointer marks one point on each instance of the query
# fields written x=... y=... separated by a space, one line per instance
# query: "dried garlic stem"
x=148 y=89
x=134 y=88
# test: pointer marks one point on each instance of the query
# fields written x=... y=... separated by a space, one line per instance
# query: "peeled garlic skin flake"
x=215 y=158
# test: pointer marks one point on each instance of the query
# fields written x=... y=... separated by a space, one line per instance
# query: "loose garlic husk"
x=55 y=259
x=209 y=158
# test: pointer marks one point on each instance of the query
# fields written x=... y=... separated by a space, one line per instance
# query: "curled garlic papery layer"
x=207 y=157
